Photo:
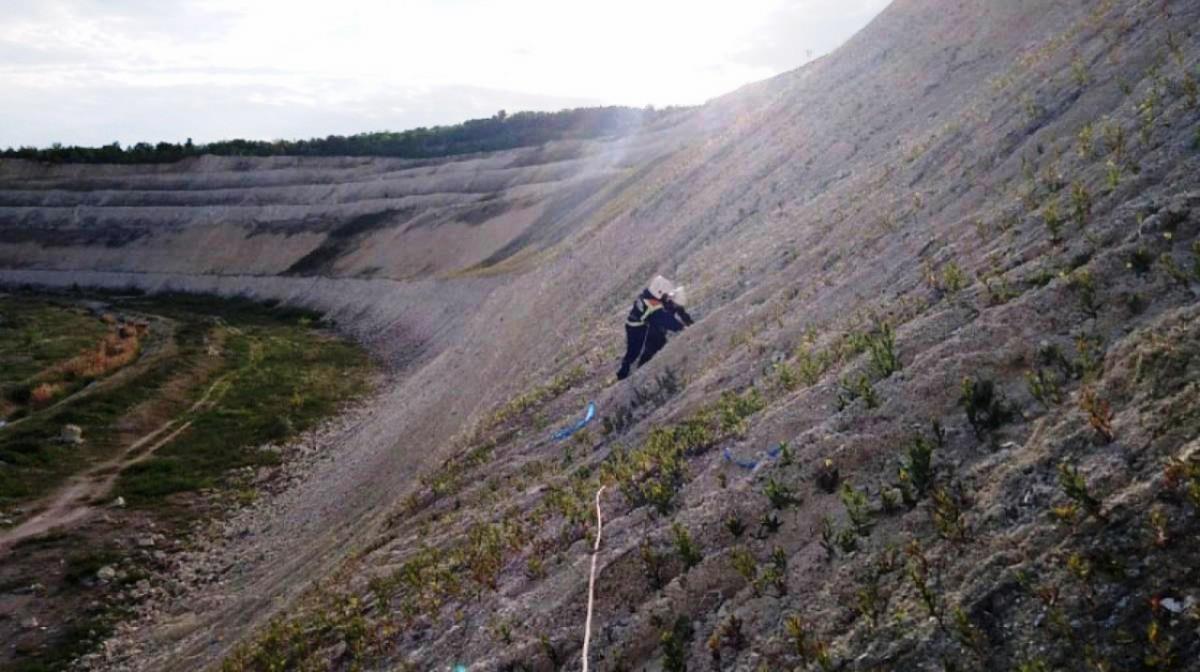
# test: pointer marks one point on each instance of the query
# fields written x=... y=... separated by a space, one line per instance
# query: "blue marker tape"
x=588 y=417
x=745 y=464
x=772 y=453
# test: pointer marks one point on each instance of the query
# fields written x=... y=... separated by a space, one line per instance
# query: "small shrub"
x=985 y=406
x=787 y=456
x=829 y=537
x=868 y=599
x=768 y=524
x=1081 y=203
x=858 y=508
x=947 y=515
x=1158 y=527
x=775 y=575
x=535 y=568
x=1042 y=277
x=1075 y=486
x=1084 y=285
x=1114 y=141
x=1053 y=220
x=485 y=554
x=1112 y=175
x=780 y=496
x=800 y=635
x=729 y=634
x=733 y=409
x=1183 y=473
x=810 y=365
x=1079 y=73
x=280 y=428
x=882 y=347
x=1159 y=648
x=1085 y=142
x=916 y=471
x=786 y=377
x=1044 y=386
x=920 y=573
x=1147 y=110
x=1081 y=569
x=953 y=278
x=1091 y=360
x=1174 y=271
x=734 y=524
x=1141 y=261
x=1100 y=413
x=847 y=540
x=967 y=634
x=674 y=641
x=744 y=564
x=1191 y=89
x=999 y=290
x=654 y=565
x=827 y=476
x=685 y=547
x=859 y=388
x=1032 y=109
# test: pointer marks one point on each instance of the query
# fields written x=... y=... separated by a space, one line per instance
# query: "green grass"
x=36 y=334
x=36 y=463
x=282 y=379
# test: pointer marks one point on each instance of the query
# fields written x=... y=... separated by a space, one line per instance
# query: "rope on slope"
x=587 y=631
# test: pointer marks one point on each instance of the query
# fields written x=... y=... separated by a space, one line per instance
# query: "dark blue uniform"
x=646 y=329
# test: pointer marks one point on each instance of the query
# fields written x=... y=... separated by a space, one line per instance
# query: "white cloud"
x=84 y=64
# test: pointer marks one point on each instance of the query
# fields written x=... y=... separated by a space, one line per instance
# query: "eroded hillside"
x=952 y=268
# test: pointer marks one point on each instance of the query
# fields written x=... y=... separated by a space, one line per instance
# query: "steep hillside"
x=952 y=268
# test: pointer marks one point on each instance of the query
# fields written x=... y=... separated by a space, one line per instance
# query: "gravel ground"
x=221 y=557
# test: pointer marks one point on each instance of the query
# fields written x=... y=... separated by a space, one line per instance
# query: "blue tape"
x=772 y=453
x=564 y=434
x=745 y=464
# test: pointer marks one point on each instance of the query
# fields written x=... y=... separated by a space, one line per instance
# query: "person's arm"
x=683 y=316
x=666 y=320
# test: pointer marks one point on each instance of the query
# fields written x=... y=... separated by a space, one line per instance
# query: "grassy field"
x=279 y=378
x=36 y=334
x=273 y=375
x=263 y=373
x=36 y=337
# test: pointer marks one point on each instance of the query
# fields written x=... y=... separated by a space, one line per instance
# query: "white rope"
x=587 y=631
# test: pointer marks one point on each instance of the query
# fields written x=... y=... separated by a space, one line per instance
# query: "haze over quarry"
x=89 y=72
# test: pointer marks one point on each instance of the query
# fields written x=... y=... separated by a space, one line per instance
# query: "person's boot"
x=623 y=373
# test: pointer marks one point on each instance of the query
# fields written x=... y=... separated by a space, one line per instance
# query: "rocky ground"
x=190 y=574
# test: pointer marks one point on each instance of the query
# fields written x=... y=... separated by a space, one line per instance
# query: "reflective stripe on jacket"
x=643 y=308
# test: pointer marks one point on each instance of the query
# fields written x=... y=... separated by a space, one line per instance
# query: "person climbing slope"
x=656 y=311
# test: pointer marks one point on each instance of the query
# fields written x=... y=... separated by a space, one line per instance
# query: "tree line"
x=501 y=131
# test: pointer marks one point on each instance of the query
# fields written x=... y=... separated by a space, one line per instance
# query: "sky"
x=92 y=72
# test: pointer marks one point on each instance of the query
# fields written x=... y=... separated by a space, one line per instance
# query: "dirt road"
x=84 y=493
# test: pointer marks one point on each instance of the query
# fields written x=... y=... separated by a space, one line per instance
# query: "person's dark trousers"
x=635 y=338
x=655 y=340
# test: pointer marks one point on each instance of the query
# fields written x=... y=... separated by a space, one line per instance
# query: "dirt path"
x=79 y=498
